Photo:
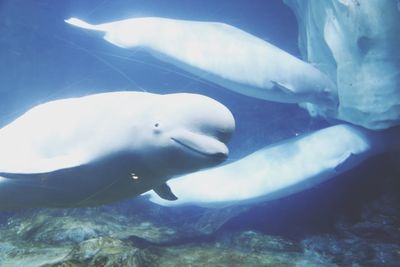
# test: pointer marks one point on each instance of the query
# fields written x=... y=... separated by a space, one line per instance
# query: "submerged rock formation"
x=138 y=233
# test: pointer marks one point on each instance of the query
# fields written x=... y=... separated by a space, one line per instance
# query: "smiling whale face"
x=188 y=132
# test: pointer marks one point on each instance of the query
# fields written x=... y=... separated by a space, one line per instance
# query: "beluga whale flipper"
x=105 y=147
x=224 y=55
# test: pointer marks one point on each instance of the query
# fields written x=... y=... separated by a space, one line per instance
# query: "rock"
x=371 y=230
x=255 y=242
x=72 y=226
x=372 y=240
x=102 y=251
x=110 y=252
x=26 y=254
x=136 y=233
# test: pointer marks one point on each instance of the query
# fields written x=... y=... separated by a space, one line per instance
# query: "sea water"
x=352 y=220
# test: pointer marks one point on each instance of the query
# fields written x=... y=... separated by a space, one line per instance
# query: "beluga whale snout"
x=102 y=148
x=202 y=145
x=201 y=136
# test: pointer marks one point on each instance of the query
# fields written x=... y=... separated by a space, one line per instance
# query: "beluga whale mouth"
x=204 y=145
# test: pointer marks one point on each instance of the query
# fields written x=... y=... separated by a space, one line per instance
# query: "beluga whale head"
x=188 y=132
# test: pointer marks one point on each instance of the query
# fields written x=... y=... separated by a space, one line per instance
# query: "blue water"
x=43 y=58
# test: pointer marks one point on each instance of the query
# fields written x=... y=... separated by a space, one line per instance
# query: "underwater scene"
x=199 y=133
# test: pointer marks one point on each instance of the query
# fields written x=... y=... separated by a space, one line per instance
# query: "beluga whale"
x=282 y=169
x=224 y=55
x=105 y=147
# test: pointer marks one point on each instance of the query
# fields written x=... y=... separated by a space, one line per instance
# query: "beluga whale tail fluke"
x=83 y=24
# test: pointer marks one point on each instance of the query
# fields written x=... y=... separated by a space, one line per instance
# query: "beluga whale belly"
x=106 y=147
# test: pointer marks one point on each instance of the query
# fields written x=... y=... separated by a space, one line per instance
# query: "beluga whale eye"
x=156 y=128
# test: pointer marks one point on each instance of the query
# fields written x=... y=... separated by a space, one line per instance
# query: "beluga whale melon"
x=105 y=147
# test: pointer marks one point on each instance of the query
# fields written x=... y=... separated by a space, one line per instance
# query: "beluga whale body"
x=224 y=55
x=282 y=169
x=105 y=147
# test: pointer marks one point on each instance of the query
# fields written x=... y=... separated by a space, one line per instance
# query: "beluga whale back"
x=105 y=147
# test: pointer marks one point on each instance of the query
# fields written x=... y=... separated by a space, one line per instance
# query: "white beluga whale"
x=281 y=169
x=224 y=55
x=351 y=73
x=105 y=147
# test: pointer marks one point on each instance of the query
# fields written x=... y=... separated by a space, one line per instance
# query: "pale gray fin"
x=345 y=164
x=164 y=191
x=285 y=88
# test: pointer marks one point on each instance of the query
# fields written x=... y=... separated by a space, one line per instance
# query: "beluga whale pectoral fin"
x=165 y=192
x=285 y=88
